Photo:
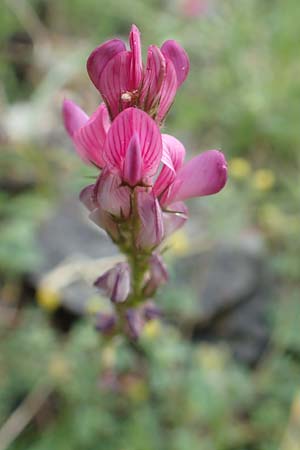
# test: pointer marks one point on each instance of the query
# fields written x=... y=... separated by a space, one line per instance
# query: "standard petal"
x=173 y=156
x=168 y=92
x=111 y=196
x=136 y=67
x=174 y=217
x=114 y=83
x=73 y=117
x=99 y=58
x=151 y=230
x=154 y=75
x=205 y=174
x=175 y=53
x=89 y=139
x=129 y=122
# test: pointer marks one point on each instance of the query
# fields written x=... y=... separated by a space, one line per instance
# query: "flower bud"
x=115 y=283
x=158 y=274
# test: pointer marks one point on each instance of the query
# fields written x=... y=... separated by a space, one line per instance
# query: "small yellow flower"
x=48 y=298
x=58 y=367
x=239 y=168
x=152 y=329
x=179 y=243
x=263 y=179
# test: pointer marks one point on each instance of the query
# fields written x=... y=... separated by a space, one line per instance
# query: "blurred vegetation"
x=242 y=95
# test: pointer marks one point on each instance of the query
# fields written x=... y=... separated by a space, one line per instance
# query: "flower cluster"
x=143 y=179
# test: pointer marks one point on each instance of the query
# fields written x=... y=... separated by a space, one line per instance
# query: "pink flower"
x=122 y=80
x=158 y=274
x=87 y=134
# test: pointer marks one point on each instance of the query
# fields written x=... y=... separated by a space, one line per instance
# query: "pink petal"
x=111 y=196
x=73 y=117
x=168 y=91
x=88 y=197
x=175 y=217
x=151 y=231
x=178 y=56
x=173 y=156
x=136 y=68
x=119 y=136
x=154 y=75
x=205 y=174
x=99 y=58
x=89 y=139
x=115 y=81
x=132 y=170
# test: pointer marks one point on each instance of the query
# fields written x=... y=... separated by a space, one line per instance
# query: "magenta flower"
x=143 y=181
x=122 y=80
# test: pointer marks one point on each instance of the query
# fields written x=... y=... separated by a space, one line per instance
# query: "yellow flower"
x=152 y=329
x=239 y=168
x=263 y=179
x=48 y=298
x=59 y=367
x=179 y=243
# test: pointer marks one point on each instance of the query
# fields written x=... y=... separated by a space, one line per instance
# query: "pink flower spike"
x=151 y=230
x=132 y=170
x=126 y=124
x=115 y=283
x=89 y=139
x=178 y=56
x=73 y=117
x=136 y=67
x=99 y=58
x=174 y=217
x=154 y=75
x=206 y=174
x=168 y=92
x=111 y=196
x=173 y=156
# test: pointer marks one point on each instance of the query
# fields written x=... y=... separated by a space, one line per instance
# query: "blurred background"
x=221 y=371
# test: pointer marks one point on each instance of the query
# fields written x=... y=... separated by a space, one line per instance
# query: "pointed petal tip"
x=73 y=116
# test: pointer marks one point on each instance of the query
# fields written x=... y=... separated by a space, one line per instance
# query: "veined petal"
x=173 y=156
x=175 y=53
x=73 y=116
x=99 y=58
x=115 y=81
x=111 y=196
x=205 y=174
x=132 y=170
x=168 y=91
x=89 y=139
x=136 y=67
x=151 y=231
x=126 y=124
x=154 y=75
x=174 y=217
